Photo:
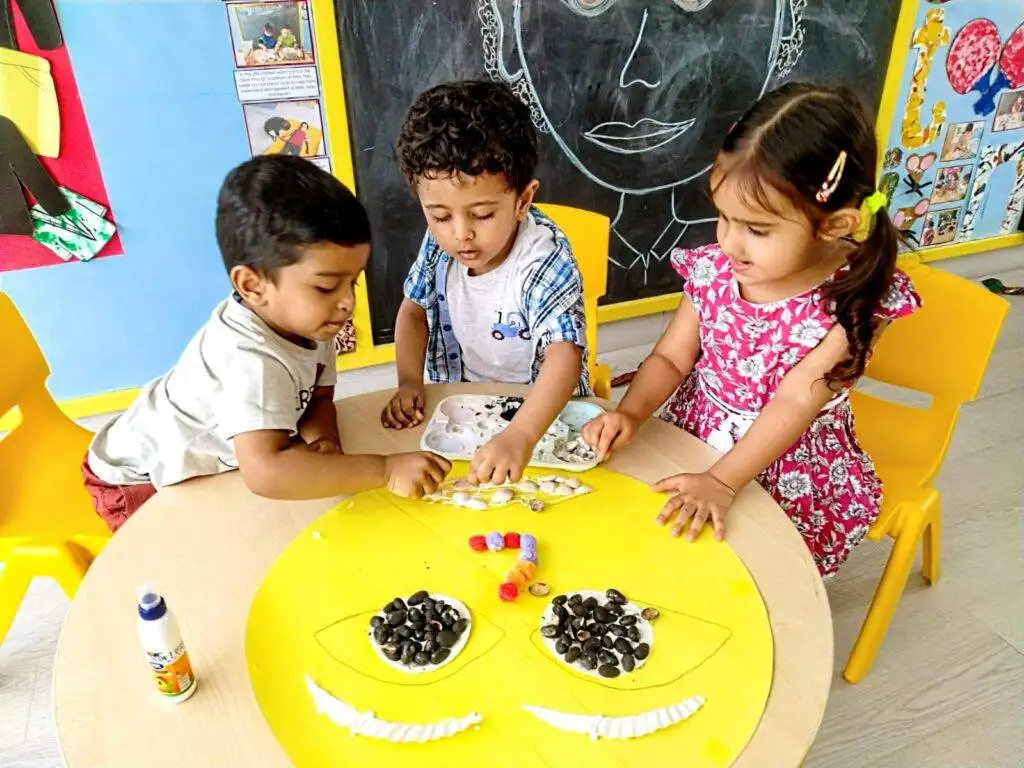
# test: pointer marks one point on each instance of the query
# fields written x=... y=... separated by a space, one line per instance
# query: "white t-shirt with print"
x=487 y=311
x=237 y=375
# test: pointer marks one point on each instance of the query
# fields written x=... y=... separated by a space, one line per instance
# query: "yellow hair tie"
x=872 y=204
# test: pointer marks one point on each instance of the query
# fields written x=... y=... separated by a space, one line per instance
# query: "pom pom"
x=528 y=569
x=478 y=543
x=511 y=540
x=495 y=541
x=516 y=577
x=528 y=541
x=508 y=592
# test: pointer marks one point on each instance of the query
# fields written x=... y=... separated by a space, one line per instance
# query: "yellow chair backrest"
x=942 y=349
x=24 y=379
x=588 y=235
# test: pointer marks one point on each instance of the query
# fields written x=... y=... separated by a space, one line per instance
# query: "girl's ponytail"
x=857 y=293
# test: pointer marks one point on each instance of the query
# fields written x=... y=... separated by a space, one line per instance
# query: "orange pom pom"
x=528 y=569
x=516 y=577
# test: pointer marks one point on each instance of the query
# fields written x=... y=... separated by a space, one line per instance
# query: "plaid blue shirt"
x=552 y=306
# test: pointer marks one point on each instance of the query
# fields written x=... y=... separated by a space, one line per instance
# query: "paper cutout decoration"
x=991 y=158
x=893 y=156
x=19 y=164
x=81 y=233
x=310 y=617
x=973 y=58
x=41 y=20
x=905 y=219
x=917 y=167
x=927 y=40
x=29 y=100
x=888 y=184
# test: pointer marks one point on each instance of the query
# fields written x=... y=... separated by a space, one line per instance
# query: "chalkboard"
x=632 y=98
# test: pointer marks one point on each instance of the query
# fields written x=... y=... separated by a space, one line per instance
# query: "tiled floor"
x=948 y=688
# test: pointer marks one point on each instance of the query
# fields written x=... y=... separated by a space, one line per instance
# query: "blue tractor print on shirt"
x=513 y=327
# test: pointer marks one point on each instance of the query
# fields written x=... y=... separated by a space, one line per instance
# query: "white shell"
x=502 y=496
x=528 y=486
x=563 y=489
x=461 y=485
x=477 y=504
x=598 y=726
x=572 y=482
x=582 y=489
x=549 y=487
x=461 y=497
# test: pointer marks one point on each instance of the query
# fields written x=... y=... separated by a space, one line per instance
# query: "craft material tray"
x=462 y=423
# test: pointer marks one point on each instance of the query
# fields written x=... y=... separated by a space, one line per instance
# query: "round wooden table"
x=208 y=544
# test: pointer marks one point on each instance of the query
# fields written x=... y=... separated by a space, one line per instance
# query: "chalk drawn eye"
x=692 y=6
x=589 y=7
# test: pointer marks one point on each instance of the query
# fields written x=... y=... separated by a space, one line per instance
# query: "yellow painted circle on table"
x=311 y=617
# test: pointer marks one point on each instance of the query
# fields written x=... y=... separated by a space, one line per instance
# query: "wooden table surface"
x=208 y=544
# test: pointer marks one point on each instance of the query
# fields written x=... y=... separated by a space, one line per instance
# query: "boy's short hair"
x=470 y=127
x=272 y=206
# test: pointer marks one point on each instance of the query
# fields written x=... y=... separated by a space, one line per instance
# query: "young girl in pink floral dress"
x=776 y=324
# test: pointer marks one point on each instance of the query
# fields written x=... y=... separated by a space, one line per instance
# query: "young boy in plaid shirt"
x=495 y=293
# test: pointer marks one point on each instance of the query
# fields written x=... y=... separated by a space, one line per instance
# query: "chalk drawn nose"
x=624 y=74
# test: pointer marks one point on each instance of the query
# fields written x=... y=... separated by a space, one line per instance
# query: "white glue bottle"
x=165 y=650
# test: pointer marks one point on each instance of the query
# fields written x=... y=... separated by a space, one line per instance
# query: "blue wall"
x=157 y=84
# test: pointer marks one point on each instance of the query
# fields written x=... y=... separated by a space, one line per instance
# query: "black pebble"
x=628 y=620
x=460 y=626
x=608 y=641
x=575 y=600
x=607 y=670
x=376 y=621
x=616 y=631
x=418 y=598
x=642 y=651
x=601 y=615
x=419 y=634
x=633 y=634
x=560 y=612
x=593 y=644
x=398 y=604
x=395 y=618
x=421 y=659
x=559 y=600
x=550 y=630
x=622 y=645
x=628 y=662
x=579 y=609
x=392 y=651
x=607 y=657
x=573 y=654
x=439 y=655
x=447 y=638
x=381 y=634
x=404 y=632
x=561 y=646
x=408 y=651
x=590 y=603
x=588 y=661
x=430 y=646
x=613 y=608
x=615 y=596
x=415 y=616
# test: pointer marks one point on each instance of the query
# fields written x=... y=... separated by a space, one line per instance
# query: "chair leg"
x=14 y=583
x=883 y=605
x=68 y=565
x=932 y=550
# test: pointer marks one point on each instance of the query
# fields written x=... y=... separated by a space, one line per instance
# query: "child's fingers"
x=669 y=510
x=700 y=518
x=667 y=484
x=605 y=439
x=441 y=462
x=686 y=512
x=718 y=520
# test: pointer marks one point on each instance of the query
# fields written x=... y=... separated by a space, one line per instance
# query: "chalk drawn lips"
x=633 y=138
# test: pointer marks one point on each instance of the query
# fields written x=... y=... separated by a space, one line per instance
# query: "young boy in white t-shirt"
x=495 y=293
x=254 y=389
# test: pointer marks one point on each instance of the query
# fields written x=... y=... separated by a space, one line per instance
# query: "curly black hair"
x=272 y=206
x=469 y=127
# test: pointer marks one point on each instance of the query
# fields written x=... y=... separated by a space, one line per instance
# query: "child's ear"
x=841 y=223
x=525 y=199
x=250 y=284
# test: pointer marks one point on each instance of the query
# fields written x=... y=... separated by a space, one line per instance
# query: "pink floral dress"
x=825 y=482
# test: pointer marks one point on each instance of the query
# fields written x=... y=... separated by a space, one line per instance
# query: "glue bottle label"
x=173 y=671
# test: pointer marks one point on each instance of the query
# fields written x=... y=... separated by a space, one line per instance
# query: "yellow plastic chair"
x=588 y=235
x=48 y=526
x=942 y=350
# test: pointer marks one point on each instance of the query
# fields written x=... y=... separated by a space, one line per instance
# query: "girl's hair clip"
x=831 y=182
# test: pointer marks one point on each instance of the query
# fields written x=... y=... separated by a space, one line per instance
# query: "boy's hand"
x=504 y=456
x=413 y=475
x=609 y=432
x=325 y=445
x=405 y=408
x=696 y=499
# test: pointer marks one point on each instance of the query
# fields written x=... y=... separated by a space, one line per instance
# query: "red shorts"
x=115 y=503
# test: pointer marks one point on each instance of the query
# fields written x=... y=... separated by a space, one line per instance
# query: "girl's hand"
x=504 y=457
x=696 y=498
x=609 y=432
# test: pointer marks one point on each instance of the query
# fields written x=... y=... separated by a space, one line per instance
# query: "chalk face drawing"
x=655 y=111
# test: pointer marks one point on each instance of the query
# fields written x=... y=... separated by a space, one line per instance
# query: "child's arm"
x=277 y=468
x=659 y=376
x=508 y=454
x=802 y=394
x=319 y=424
x=406 y=407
